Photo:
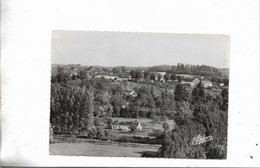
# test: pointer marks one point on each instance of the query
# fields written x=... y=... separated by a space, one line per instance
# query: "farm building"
x=136 y=126
x=130 y=93
x=133 y=94
x=191 y=84
x=206 y=84
x=126 y=126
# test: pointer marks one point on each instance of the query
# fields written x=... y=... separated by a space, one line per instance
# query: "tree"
x=123 y=69
x=173 y=77
x=92 y=132
x=62 y=76
x=115 y=70
x=146 y=74
x=183 y=109
x=117 y=102
x=159 y=77
x=152 y=76
x=177 y=142
x=83 y=74
x=224 y=95
x=198 y=94
x=166 y=76
x=179 y=78
x=180 y=93
x=100 y=132
x=138 y=74
x=215 y=124
x=132 y=73
x=165 y=126
x=226 y=81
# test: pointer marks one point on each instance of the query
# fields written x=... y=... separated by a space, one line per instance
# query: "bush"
x=155 y=133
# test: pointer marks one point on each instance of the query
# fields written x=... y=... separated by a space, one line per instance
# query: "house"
x=108 y=77
x=176 y=81
x=136 y=126
x=126 y=126
x=120 y=127
x=130 y=93
x=206 y=84
x=133 y=94
x=221 y=84
x=162 y=79
x=190 y=84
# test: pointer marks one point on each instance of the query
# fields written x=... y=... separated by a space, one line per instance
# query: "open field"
x=86 y=147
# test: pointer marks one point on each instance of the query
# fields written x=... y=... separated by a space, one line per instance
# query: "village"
x=137 y=78
x=152 y=77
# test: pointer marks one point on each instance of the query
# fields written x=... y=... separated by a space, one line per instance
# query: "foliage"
x=85 y=105
x=180 y=93
x=177 y=142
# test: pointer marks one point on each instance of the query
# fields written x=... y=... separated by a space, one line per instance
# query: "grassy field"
x=107 y=149
x=75 y=146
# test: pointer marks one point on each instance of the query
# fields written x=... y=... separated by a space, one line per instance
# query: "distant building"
x=120 y=127
x=221 y=84
x=136 y=126
x=126 y=126
x=162 y=79
x=130 y=93
x=206 y=84
x=190 y=84
x=133 y=94
x=107 y=77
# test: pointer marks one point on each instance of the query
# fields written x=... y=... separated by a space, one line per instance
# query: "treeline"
x=201 y=70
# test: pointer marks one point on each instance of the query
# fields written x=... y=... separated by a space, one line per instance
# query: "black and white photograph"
x=126 y=94
x=112 y=83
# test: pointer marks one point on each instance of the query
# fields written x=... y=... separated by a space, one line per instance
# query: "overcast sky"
x=139 y=49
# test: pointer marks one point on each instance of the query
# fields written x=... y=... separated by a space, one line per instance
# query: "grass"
x=106 y=150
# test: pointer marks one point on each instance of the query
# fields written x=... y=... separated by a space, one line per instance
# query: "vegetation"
x=84 y=105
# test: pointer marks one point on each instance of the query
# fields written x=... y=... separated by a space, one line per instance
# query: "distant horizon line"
x=139 y=66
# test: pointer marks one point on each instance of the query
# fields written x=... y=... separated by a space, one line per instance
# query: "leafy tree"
x=152 y=76
x=138 y=74
x=198 y=94
x=166 y=76
x=179 y=78
x=146 y=74
x=173 y=77
x=62 y=76
x=177 y=142
x=133 y=74
x=100 y=132
x=159 y=77
x=92 y=132
x=183 y=109
x=83 y=74
x=226 y=81
x=180 y=93
x=215 y=124
x=224 y=95
x=117 y=102
x=165 y=126
x=123 y=69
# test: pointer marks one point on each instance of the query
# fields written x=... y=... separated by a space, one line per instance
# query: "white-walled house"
x=207 y=84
